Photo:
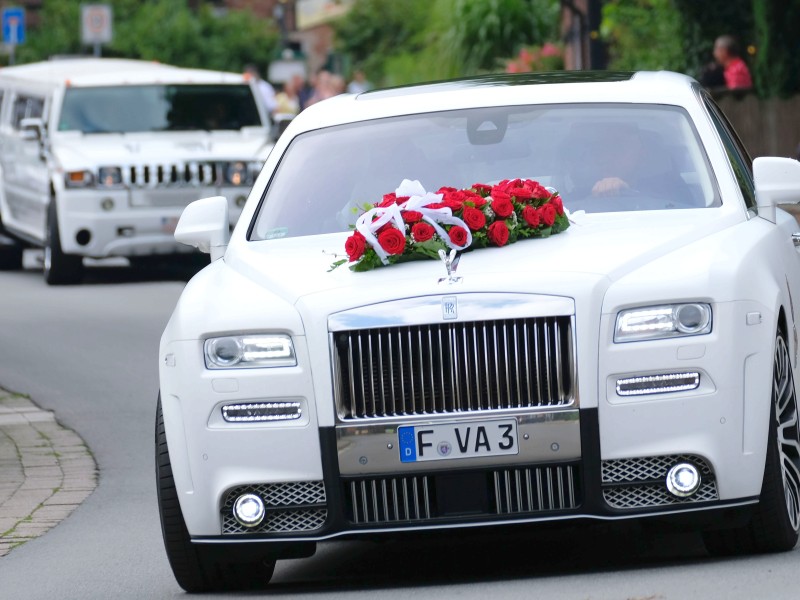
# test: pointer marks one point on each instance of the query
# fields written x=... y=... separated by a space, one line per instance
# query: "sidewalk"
x=46 y=471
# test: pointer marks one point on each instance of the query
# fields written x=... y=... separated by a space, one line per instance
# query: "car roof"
x=112 y=71
x=560 y=87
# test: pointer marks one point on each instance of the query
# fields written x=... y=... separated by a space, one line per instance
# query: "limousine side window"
x=26 y=107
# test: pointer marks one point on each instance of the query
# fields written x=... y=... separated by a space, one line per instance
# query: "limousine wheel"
x=59 y=268
x=197 y=569
x=10 y=257
x=776 y=522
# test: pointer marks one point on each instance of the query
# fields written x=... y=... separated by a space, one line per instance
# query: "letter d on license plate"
x=446 y=441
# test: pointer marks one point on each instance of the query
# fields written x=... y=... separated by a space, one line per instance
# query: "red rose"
x=531 y=216
x=388 y=200
x=422 y=232
x=392 y=241
x=458 y=235
x=499 y=191
x=521 y=193
x=444 y=189
x=557 y=204
x=548 y=214
x=474 y=218
x=502 y=206
x=539 y=192
x=481 y=187
x=498 y=233
x=355 y=246
x=411 y=216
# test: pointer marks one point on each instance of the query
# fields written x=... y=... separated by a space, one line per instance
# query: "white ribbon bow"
x=418 y=200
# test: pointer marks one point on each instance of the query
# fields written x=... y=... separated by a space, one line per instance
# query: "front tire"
x=10 y=257
x=59 y=268
x=197 y=568
x=775 y=525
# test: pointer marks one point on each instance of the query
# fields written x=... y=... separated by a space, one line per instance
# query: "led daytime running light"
x=261 y=411
x=658 y=384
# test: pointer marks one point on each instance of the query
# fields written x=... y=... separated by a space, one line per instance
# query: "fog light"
x=240 y=201
x=107 y=204
x=249 y=510
x=261 y=411
x=683 y=480
x=658 y=384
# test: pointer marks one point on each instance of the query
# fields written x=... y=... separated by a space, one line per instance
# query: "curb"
x=46 y=471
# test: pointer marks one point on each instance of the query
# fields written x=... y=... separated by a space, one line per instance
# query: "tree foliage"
x=637 y=41
x=164 y=30
x=417 y=40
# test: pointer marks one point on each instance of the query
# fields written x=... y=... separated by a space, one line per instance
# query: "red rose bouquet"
x=411 y=223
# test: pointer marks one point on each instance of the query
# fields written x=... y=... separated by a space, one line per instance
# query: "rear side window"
x=26 y=107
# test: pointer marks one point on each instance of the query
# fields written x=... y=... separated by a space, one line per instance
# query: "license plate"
x=447 y=441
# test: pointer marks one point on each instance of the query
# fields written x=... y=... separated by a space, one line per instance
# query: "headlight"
x=658 y=322
x=110 y=176
x=236 y=173
x=249 y=352
x=75 y=179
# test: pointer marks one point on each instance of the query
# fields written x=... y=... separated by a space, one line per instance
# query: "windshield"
x=599 y=157
x=133 y=108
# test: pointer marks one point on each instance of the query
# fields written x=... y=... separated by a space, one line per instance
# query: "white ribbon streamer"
x=418 y=200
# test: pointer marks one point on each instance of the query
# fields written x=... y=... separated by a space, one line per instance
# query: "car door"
x=25 y=170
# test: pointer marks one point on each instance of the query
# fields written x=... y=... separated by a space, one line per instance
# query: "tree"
x=168 y=31
x=417 y=40
x=638 y=41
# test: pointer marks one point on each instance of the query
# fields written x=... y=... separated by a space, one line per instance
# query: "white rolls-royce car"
x=393 y=339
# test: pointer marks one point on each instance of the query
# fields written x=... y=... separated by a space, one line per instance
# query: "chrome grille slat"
x=413 y=498
x=484 y=365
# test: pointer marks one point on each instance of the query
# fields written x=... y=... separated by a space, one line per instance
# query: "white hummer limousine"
x=98 y=157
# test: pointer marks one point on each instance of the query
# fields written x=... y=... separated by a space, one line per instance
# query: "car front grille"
x=193 y=173
x=291 y=507
x=494 y=493
x=640 y=482
x=454 y=367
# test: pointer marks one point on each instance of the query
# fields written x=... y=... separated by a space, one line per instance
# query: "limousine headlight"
x=110 y=176
x=658 y=322
x=249 y=351
x=77 y=179
x=237 y=173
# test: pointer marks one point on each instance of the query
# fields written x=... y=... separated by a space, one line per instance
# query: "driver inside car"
x=620 y=160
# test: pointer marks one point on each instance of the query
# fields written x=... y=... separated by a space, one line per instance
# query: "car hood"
x=596 y=250
x=76 y=150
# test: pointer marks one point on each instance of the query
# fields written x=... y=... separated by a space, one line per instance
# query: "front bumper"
x=135 y=224
x=390 y=504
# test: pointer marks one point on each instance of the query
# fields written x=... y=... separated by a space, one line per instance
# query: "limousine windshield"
x=141 y=108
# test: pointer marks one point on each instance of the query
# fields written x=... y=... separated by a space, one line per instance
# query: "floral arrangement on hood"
x=411 y=224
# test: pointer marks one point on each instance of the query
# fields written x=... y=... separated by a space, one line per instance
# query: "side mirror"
x=777 y=181
x=32 y=128
x=204 y=224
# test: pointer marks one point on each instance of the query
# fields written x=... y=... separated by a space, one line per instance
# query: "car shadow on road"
x=448 y=558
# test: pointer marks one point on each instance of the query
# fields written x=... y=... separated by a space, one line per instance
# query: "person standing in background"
x=265 y=91
x=359 y=84
x=735 y=71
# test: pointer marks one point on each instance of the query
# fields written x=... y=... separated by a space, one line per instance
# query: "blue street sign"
x=13 y=25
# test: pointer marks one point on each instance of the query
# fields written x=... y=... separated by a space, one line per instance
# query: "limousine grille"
x=454 y=367
x=193 y=173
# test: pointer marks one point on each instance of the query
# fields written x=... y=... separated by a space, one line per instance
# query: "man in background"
x=735 y=71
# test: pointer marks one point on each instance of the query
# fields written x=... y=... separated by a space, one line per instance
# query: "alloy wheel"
x=788 y=431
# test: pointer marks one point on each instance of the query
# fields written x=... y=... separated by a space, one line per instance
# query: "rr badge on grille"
x=449 y=308
x=451 y=264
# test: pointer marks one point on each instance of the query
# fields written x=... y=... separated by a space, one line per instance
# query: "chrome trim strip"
x=471 y=307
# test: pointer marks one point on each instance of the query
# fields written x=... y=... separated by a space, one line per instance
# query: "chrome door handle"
x=796 y=239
